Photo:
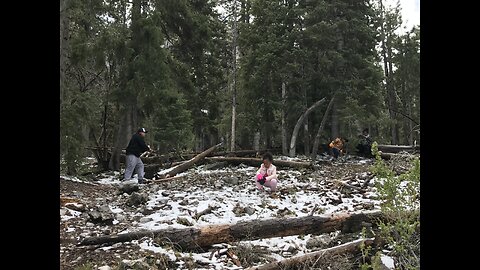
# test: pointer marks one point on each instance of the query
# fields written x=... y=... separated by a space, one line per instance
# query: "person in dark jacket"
x=135 y=148
x=365 y=145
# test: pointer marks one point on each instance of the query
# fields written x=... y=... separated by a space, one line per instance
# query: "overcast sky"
x=410 y=12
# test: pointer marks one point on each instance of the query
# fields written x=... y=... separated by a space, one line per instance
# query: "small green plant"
x=400 y=204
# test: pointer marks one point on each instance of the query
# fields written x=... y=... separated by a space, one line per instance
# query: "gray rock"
x=106 y=267
x=249 y=210
x=321 y=241
x=147 y=211
x=137 y=265
x=63 y=211
x=145 y=219
x=77 y=193
x=165 y=193
x=368 y=205
x=102 y=214
x=120 y=217
x=232 y=180
x=137 y=199
x=128 y=188
x=163 y=200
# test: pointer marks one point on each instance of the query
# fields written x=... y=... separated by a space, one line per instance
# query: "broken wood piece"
x=234 y=257
x=350 y=247
x=204 y=212
x=343 y=184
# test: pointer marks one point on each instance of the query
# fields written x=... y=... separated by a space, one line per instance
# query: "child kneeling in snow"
x=267 y=174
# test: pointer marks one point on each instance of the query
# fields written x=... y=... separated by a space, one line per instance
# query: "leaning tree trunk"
x=185 y=166
x=299 y=123
x=320 y=128
x=204 y=237
x=284 y=123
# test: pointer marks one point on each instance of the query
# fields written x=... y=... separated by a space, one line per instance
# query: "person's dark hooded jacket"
x=137 y=145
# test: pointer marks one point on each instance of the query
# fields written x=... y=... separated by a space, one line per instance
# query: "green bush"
x=400 y=203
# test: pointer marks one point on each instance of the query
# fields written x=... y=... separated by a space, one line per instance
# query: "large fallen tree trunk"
x=203 y=237
x=309 y=258
x=187 y=165
x=258 y=162
x=398 y=148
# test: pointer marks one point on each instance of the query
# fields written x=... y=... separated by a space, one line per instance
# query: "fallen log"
x=388 y=156
x=350 y=247
x=174 y=157
x=203 y=237
x=187 y=165
x=257 y=161
x=398 y=148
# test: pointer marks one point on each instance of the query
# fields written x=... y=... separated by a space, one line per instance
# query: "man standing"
x=135 y=148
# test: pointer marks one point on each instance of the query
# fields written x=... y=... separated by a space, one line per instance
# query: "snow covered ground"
x=232 y=194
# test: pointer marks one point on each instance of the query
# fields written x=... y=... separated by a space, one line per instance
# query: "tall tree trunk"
x=64 y=38
x=256 y=141
x=125 y=130
x=387 y=66
x=234 y=83
x=392 y=98
x=300 y=120
x=284 y=124
x=335 y=132
x=320 y=128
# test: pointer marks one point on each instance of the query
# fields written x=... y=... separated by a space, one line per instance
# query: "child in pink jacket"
x=267 y=174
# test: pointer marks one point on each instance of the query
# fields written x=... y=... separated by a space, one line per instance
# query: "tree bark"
x=290 y=263
x=299 y=123
x=203 y=237
x=187 y=165
x=125 y=130
x=320 y=128
x=398 y=148
x=335 y=132
x=256 y=141
x=388 y=156
x=258 y=161
x=234 y=83
x=64 y=38
x=284 y=124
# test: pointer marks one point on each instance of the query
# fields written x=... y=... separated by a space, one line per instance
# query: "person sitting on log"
x=365 y=145
x=337 y=147
x=267 y=174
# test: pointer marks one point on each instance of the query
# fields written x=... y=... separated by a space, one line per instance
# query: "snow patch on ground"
x=388 y=261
